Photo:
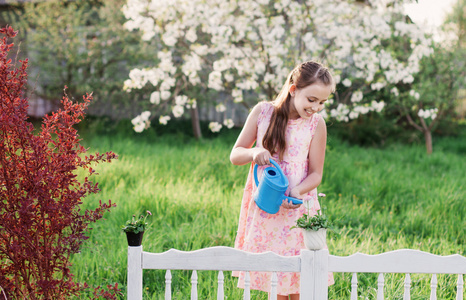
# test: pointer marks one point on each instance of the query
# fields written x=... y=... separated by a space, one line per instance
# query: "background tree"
x=246 y=48
x=81 y=44
x=433 y=95
x=456 y=23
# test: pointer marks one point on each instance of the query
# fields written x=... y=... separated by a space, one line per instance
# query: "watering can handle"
x=255 y=173
x=273 y=162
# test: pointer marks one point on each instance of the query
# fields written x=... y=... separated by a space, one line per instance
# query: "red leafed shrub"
x=41 y=223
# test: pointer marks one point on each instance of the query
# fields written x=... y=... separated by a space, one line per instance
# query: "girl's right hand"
x=261 y=156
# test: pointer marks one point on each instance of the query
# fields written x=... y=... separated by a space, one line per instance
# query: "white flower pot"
x=315 y=240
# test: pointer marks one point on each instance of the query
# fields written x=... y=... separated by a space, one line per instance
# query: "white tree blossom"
x=237 y=46
x=215 y=126
x=220 y=107
x=229 y=123
x=155 y=98
x=357 y=96
x=164 y=120
x=428 y=113
x=141 y=122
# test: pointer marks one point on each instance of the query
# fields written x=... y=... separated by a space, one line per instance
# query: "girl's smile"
x=309 y=100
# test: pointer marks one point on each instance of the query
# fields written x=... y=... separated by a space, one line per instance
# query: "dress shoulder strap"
x=266 y=111
x=314 y=122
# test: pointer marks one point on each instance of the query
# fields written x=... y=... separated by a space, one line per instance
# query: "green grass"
x=380 y=199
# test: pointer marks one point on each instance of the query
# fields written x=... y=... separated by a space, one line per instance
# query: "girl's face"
x=309 y=100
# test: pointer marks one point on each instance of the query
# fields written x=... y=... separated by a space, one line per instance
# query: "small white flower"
x=408 y=79
x=268 y=77
x=191 y=35
x=138 y=120
x=229 y=77
x=164 y=120
x=346 y=82
x=145 y=115
x=356 y=96
x=237 y=95
x=177 y=111
x=414 y=94
x=181 y=100
x=220 y=107
x=377 y=106
x=215 y=126
x=167 y=84
x=141 y=122
x=155 y=98
x=215 y=81
x=378 y=86
x=353 y=115
x=428 y=113
x=229 y=123
x=139 y=127
x=165 y=95
x=127 y=85
x=169 y=39
x=192 y=103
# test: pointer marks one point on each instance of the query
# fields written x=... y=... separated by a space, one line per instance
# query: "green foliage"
x=439 y=80
x=385 y=199
x=373 y=130
x=314 y=222
x=456 y=21
x=81 y=44
x=136 y=225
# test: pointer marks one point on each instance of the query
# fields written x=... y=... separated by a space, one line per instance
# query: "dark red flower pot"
x=134 y=239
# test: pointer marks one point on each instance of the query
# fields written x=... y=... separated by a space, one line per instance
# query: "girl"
x=290 y=131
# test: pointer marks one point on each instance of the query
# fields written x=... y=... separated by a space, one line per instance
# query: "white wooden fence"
x=313 y=266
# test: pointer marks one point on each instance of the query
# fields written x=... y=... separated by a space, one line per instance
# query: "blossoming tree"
x=247 y=47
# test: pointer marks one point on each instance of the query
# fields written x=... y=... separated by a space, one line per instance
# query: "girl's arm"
x=242 y=153
x=316 y=161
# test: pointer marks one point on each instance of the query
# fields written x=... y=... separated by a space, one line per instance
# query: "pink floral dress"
x=259 y=231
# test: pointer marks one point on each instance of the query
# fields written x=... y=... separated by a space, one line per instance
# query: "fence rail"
x=313 y=266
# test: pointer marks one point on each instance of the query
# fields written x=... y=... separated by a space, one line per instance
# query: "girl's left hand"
x=289 y=205
x=295 y=194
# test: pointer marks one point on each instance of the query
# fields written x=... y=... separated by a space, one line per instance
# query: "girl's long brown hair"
x=302 y=76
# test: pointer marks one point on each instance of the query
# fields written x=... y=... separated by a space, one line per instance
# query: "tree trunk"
x=428 y=139
x=195 y=122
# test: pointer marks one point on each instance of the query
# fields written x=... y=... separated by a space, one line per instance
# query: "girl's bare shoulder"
x=321 y=126
x=321 y=122
x=258 y=108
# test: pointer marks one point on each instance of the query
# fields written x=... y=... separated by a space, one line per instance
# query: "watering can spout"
x=270 y=191
x=294 y=200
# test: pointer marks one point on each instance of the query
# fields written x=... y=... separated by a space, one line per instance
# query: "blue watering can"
x=271 y=190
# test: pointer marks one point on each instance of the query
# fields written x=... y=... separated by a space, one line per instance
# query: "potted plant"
x=314 y=228
x=135 y=228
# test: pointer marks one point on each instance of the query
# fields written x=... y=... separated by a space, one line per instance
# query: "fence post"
x=134 y=273
x=321 y=274
x=307 y=275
